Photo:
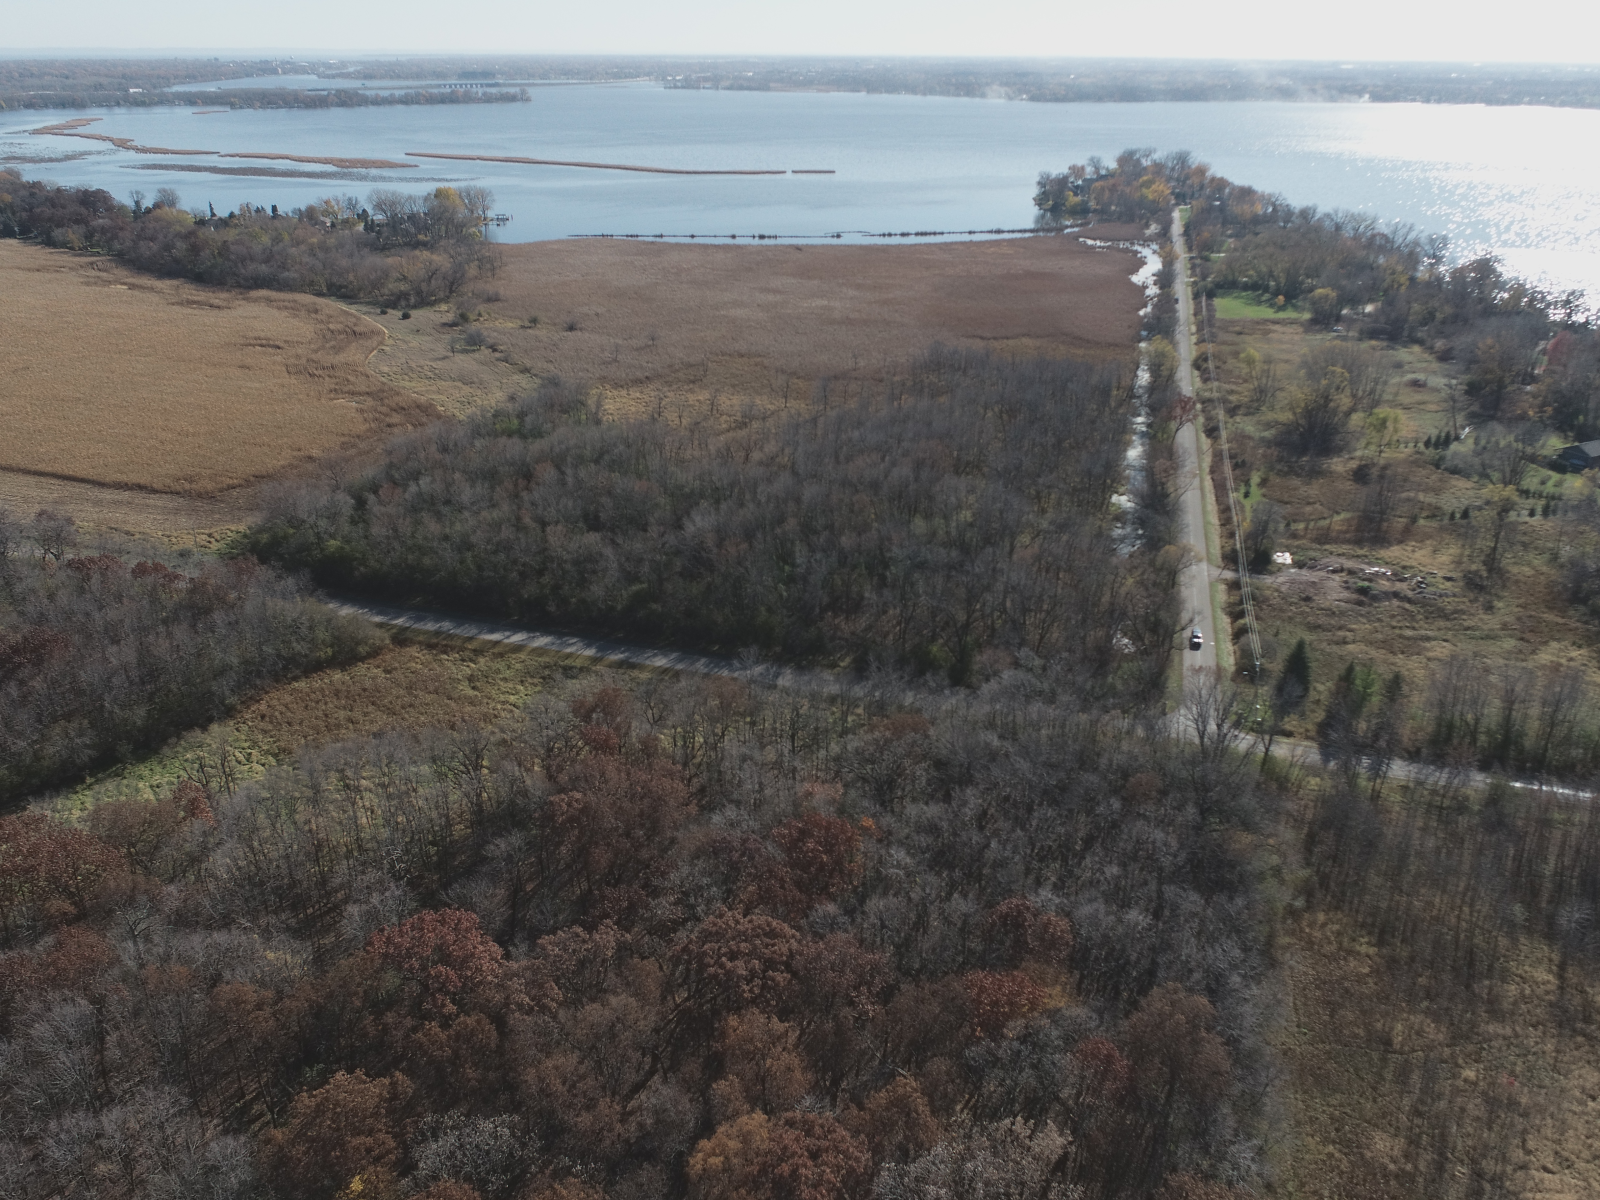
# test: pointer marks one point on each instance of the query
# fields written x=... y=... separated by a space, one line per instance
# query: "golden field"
x=116 y=378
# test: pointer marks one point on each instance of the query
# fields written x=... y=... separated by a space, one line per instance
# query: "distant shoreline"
x=286 y=82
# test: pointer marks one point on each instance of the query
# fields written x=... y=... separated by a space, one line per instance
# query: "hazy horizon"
x=354 y=54
x=335 y=54
x=1365 y=30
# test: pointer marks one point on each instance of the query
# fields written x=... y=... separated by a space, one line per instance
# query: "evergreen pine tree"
x=1294 y=681
x=1338 y=733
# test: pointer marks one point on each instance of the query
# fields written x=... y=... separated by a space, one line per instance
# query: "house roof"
x=1590 y=449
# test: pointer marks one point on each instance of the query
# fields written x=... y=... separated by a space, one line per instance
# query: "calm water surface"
x=1518 y=182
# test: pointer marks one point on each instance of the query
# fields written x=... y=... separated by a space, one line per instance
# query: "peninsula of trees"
x=404 y=249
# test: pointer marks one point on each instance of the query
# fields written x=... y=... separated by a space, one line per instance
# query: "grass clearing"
x=1246 y=306
x=420 y=681
x=197 y=522
x=116 y=378
x=1390 y=625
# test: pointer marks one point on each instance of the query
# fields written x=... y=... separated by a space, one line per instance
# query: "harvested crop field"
x=119 y=379
x=674 y=327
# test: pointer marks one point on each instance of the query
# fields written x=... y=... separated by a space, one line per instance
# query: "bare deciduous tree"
x=1211 y=712
x=1316 y=418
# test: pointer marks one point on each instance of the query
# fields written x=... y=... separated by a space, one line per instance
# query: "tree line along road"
x=1196 y=583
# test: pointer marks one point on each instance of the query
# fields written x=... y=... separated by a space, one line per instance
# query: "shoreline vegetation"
x=1101 y=81
x=817 y=237
x=335 y=176
x=242 y=98
x=487 y=79
x=75 y=128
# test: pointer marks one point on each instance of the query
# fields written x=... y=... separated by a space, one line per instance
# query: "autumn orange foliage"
x=445 y=954
x=799 y=1156
x=347 y=1128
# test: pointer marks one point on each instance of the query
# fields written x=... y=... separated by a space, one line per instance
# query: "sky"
x=1364 y=30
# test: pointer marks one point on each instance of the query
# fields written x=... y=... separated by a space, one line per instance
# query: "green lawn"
x=1245 y=305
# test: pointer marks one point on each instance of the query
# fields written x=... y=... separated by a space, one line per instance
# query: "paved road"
x=1196 y=583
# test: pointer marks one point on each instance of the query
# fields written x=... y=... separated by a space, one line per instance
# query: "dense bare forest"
x=949 y=519
x=693 y=939
x=1476 y=907
x=101 y=658
x=690 y=938
x=429 y=250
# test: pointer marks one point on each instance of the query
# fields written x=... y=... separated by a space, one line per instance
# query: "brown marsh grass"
x=119 y=379
x=681 y=330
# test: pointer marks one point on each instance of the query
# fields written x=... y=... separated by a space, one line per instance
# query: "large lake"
x=1522 y=183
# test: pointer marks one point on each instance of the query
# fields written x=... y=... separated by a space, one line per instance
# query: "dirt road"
x=585 y=647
